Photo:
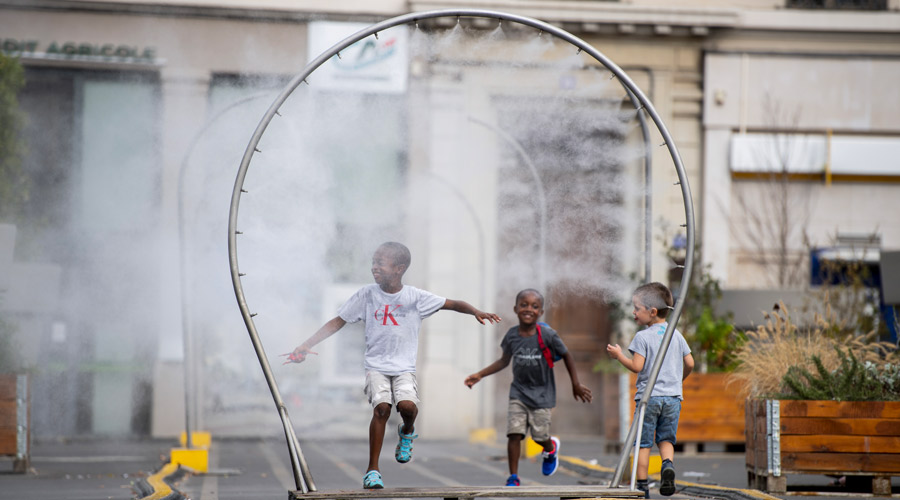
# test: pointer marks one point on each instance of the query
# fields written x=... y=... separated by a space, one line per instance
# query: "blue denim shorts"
x=660 y=420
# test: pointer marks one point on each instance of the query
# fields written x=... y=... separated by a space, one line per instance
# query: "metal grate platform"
x=464 y=492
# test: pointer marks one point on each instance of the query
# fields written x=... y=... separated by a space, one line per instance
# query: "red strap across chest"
x=544 y=349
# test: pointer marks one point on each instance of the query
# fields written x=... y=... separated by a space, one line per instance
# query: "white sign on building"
x=372 y=64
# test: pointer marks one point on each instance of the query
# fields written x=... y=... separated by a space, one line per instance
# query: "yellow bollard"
x=485 y=435
x=199 y=439
x=196 y=459
x=532 y=449
x=654 y=467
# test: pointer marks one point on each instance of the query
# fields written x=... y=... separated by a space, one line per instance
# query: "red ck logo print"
x=387 y=314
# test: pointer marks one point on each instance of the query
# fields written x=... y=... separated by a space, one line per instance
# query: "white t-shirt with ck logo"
x=392 y=324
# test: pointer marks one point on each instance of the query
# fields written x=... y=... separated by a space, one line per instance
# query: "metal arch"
x=302 y=477
x=190 y=372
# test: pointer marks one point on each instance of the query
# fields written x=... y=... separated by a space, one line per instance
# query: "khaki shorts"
x=521 y=418
x=381 y=388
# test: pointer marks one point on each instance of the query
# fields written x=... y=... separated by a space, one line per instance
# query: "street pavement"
x=260 y=469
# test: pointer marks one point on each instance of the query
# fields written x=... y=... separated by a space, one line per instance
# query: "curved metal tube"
x=542 y=199
x=648 y=187
x=186 y=333
x=296 y=457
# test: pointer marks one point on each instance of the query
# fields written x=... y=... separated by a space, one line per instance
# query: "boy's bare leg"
x=513 y=451
x=643 y=463
x=380 y=416
x=408 y=412
x=548 y=445
x=667 y=451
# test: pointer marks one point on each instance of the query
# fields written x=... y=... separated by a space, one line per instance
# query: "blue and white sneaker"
x=372 y=480
x=513 y=480
x=403 y=453
x=551 y=459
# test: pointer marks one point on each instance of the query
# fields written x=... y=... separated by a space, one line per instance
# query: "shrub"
x=780 y=346
x=851 y=381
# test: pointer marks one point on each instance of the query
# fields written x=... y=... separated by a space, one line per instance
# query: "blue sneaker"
x=551 y=459
x=667 y=473
x=403 y=453
x=372 y=480
x=513 y=480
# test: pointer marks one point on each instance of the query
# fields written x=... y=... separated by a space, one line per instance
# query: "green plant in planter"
x=716 y=340
x=851 y=381
x=780 y=346
x=712 y=337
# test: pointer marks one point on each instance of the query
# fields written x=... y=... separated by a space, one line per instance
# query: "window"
x=838 y=4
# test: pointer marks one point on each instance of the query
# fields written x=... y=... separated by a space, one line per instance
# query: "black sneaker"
x=643 y=486
x=667 y=486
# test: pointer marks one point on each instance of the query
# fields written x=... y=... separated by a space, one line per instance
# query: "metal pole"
x=639 y=425
x=542 y=200
x=481 y=269
x=648 y=186
x=186 y=332
x=408 y=19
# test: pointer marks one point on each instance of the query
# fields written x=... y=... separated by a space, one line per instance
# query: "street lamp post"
x=542 y=200
x=186 y=332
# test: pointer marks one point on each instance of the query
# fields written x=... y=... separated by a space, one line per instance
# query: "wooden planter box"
x=15 y=418
x=712 y=412
x=848 y=438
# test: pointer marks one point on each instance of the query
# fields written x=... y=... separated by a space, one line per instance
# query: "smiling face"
x=529 y=307
x=643 y=315
x=385 y=269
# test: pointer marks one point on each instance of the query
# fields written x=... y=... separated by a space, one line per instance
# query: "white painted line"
x=351 y=472
x=425 y=471
x=209 y=488
x=96 y=459
x=284 y=476
x=496 y=471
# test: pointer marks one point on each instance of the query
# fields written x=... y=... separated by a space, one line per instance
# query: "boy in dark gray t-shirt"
x=532 y=394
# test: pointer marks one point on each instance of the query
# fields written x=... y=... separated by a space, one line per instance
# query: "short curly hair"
x=527 y=291
x=399 y=252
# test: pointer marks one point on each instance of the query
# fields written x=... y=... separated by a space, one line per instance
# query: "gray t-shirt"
x=392 y=324
x=533 y=383
x=647 y=343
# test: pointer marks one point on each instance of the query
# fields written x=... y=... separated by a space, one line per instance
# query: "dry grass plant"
x=780 y=343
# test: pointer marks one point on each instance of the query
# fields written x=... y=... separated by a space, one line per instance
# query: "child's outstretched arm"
x=490 y=369
x=298 y=355
x=464 y=307
x=579 y=390
x=635 y=364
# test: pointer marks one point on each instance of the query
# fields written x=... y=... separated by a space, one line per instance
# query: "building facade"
x=504 y=161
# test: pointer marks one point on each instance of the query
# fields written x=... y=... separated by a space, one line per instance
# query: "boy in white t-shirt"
x=393 y=313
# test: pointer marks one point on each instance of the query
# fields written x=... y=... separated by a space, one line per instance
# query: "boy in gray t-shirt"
x=393 y=313
x=532 y=394
x=652 y=303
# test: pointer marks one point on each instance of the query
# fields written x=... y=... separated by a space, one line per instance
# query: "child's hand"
x=613 y=350
x=482 y=316
x=472 y=380
x=583 y=393
x=298 y=355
